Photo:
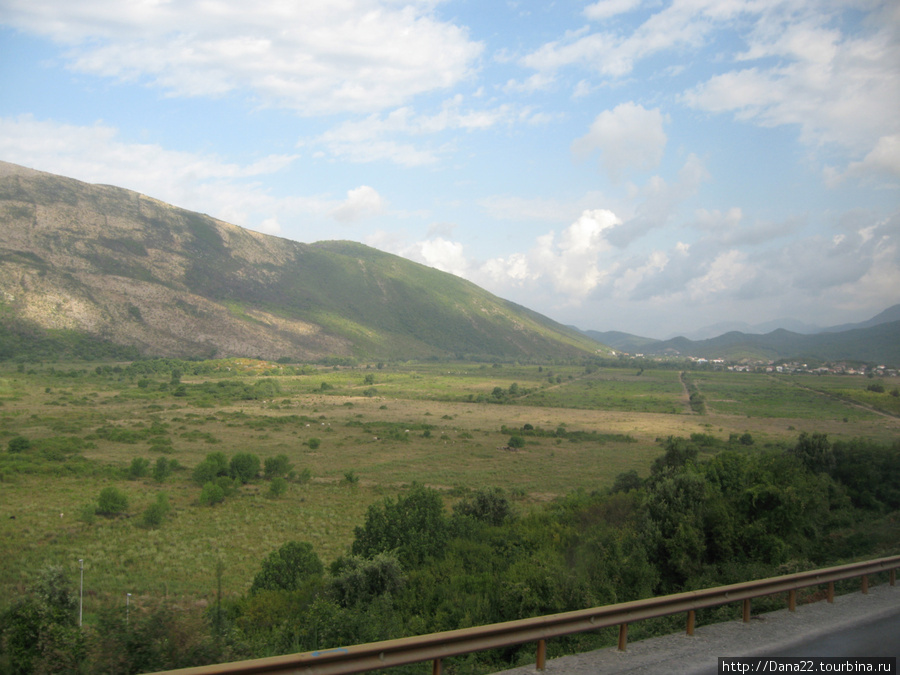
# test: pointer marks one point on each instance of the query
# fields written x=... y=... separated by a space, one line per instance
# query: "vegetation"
x=249 y=511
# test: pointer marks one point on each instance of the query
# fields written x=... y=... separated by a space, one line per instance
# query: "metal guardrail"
x=437 y=646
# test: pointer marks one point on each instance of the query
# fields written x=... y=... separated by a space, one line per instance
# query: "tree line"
x=415 y=566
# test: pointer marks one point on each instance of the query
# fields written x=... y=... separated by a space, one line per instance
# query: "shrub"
x=18 y=444
x=138 y=468
x=288 y=568
x=111 y=502
x=156 y=512
x=162 y=469
x=209 y=469
x=277 y=487
x=277 y=466
x=488 y=506
x=516 y=442
x=414 y=527
x=355 y=580
x=212 y=494
x=313 y=443
x=244 y=467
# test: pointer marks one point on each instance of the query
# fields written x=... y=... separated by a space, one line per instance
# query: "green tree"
x=212 y=494
x=516 y=442
x=162 y=469
x=626 y=481
x=138 y=468
x=209 y=469
x=288 y=568
x=244 y=467
x=155 y=513
x=487 y=506
x=39 y=633
x=277 y=466
x=111 y=502
x=356 y=580
x=414 y=526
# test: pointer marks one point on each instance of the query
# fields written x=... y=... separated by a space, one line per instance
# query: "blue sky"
x=648 y=166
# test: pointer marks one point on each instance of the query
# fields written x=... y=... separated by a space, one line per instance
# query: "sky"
x=647 y=166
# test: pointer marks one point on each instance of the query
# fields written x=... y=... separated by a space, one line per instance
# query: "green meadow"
x=353 y=436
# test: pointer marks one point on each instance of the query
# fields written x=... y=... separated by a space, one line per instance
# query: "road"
x=852 y=626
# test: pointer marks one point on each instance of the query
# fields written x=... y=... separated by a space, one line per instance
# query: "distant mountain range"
x=102 y=271
x=876 y=340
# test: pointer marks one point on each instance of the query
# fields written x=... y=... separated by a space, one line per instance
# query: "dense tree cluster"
x=417 y=567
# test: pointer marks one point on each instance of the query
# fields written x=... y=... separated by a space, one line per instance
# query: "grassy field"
x=362 y=434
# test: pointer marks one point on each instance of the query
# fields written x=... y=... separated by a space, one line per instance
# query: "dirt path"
x=686 y=396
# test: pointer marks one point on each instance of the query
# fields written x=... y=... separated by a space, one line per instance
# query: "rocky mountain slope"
x=124 y=269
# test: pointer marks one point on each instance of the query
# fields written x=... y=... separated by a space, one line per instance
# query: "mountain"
x=887 y=316
x=103 y=270
x=717 y=329
x=877 y=340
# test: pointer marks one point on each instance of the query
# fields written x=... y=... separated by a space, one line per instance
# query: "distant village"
x=836 y=368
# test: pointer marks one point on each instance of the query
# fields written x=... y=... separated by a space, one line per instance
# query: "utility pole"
x=81 y=594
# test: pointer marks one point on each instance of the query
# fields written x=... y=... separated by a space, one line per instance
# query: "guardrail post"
x=865 y=583
x=830 y=591
x=623 y=636
x=792 y=601
x=541 y=655
x=436 y=667
x=893 y=577
x=746 y=611
x=692 y=615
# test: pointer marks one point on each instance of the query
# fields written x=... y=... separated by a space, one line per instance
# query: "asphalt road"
x=855 y=625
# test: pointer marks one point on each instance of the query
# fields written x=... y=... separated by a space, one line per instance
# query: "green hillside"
x=93 y=268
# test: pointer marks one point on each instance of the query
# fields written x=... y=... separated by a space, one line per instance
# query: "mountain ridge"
x=135 y=272
x=875 y=340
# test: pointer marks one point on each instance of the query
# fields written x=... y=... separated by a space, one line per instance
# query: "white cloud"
x=882 y=162
x=682 y=23
x=374 y=138
x=837 y=89
x=606 y=9
x=201 y=182
x=440 y=253
x=514 y=207
x=270 y=226
x=362 y=202
x=316 y=56
x=628 y=137
x=570 y=261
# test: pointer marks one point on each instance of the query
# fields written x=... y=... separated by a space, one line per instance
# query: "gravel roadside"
x=765 y=634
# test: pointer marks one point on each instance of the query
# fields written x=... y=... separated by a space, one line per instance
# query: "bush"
x=138 y=468
x=288 y=568
x=488 y=506
x=18 y=444
x=277 y=487
x=212 y=494
x=162 y=469
x=414 y=527
x=277 y=466
x=516 y=442
x=155 y=513
x=209 y=469
x=112 y=502
x=313 y=443
x=244 y=467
